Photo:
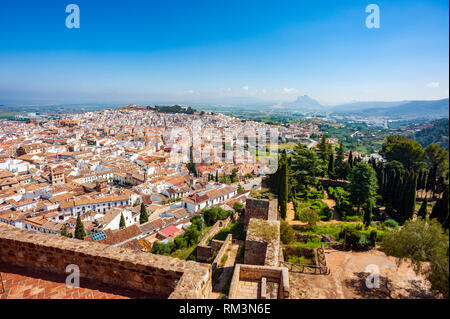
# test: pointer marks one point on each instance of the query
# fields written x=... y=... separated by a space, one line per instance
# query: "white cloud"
x=433 y=84
x=188 y=92
x=288 y=90
x=245 y=88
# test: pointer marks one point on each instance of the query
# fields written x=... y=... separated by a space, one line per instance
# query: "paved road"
x=254 y=181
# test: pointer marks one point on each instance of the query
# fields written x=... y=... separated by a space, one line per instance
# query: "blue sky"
x=192 y=50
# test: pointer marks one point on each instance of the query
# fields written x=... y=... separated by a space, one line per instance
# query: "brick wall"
x=160 y=276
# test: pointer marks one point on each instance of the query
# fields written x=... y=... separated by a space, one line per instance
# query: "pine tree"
x=143 y=218
x=80 y=233
x=423 y=209
x=122 y=221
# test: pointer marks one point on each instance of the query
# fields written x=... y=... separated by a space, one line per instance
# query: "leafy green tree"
x=80 y=233
x=238 y=206
x=233 y=176
x=143 y=217
x=213 y=214
x=306 y=167
x=180 y=242
x=406 y=151
x=421 y=241
x=122 y=221
x=197 y=221
x=192 y=235
x=363 y=184
x=225 y=179
x=240 y=189
x=309 y=216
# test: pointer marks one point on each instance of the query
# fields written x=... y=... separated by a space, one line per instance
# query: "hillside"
x=436 y=133
x=413 y=109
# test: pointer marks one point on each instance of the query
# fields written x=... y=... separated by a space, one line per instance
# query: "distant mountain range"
x=303 y=104
x=409 y=109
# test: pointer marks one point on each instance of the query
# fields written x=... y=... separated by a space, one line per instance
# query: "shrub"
x=286 y=232
x=364 y=243
x=238 y=206
x=310 y=216
x=355 y=239
x=391 y=223
x=213 y=214
x=326 y=214
x=373 y=236
x=351 y=218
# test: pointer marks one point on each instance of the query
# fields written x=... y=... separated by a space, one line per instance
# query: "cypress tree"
x=64 y=231
x=143 y=218
x=350 y=159
x=423 y=209
x=367 y=218
x=80 y=233
x=331 y=167
x=340 y=169
x=122 y=221
x=217 y=176
x=283 y=187
x=441 y=209
x=410 y=196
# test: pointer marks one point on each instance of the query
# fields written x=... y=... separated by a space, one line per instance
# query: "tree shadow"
x=386 y=290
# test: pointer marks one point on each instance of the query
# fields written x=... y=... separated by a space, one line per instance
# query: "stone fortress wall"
x=160 y=276
x=207 y=250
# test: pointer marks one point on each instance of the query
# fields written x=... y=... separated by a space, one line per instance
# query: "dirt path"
x=290 y=215
x=349 y=272
x=332 y=205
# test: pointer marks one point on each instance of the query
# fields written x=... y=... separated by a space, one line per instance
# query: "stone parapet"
x=263 y=274
x=158 y=275
x=261 y=209
x=262 y=243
